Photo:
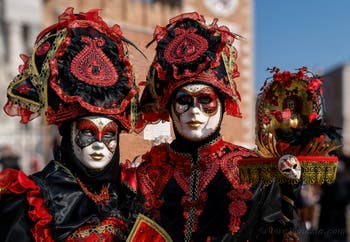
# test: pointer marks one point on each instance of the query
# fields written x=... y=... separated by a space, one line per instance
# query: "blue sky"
x=295 y=33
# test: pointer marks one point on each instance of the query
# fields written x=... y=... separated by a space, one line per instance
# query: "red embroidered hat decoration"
x=78 y=66
x=190 y=51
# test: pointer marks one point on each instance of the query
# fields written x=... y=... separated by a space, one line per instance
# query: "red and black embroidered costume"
x=78 y=67
x=192 y=188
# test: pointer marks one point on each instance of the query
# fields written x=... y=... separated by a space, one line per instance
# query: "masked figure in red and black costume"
x=192 y=186
x=79 y=78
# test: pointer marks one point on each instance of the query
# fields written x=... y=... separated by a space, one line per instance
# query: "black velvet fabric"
x=214 y=220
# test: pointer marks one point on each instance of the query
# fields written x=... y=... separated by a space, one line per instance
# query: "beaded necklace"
x=97 y=198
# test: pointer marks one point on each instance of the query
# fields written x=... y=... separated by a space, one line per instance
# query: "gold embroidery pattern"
x=313 y=172
x=97 y=229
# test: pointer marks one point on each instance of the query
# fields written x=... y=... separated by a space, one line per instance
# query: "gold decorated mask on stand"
x=289 y=116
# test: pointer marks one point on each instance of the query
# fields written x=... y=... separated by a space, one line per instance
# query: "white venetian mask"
x=290 y=167
x=196 y=111
x=94 y=140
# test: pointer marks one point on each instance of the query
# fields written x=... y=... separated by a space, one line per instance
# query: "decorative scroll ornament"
x=187 y=46
x=289 y=117
x=92 y=65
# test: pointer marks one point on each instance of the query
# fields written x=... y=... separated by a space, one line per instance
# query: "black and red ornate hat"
x=290 y=123
x=189 y=50
x=79 y=66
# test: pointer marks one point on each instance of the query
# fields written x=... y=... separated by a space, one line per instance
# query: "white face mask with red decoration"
x=289 y=167
x=94 y=140
x=196 y=111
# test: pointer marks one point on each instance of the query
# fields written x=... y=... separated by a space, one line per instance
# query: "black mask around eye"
x=65 y=155
x=90 y=130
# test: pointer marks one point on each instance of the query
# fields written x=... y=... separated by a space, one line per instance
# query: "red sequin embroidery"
x=153 y=176
x=185 y=47
x=24 y=88
x=92 y=66
x=241 y=193
x=157 y=170
x=207 y=169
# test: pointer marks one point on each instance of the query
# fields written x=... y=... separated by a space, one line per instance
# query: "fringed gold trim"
x=267 y=172
x=264 y=172
x=319 y=173
x=98 y=230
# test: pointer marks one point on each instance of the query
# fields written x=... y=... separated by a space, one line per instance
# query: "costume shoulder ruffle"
x=16 y=182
